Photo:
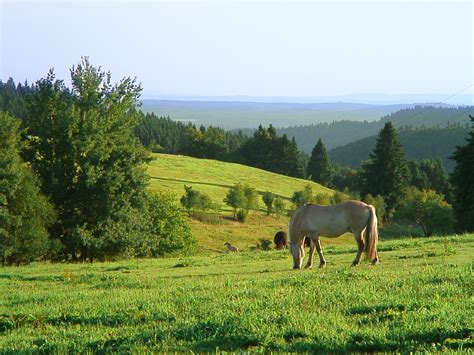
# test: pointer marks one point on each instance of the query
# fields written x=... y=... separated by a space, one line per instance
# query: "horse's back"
x=334 y=220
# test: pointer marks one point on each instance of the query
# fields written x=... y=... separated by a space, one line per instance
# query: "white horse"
x=332 y=221
x=231 y=248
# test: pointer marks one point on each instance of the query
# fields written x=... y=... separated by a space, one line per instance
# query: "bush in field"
x=242 y=198
x=302 y=197
x=194 y=200
x=269 y=199
x=242 y=215
x=279 y=206
x=322 y=199
x=339 y=197
x=427 y=209
x=379 y=204
x=25 y=213
x=170 y=233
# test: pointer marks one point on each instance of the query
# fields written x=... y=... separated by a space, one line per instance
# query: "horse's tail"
x=371 y=235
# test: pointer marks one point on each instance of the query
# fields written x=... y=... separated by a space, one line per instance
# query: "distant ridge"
x=369 y=98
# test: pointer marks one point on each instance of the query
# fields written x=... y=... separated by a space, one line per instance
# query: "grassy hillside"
x=417 y=299
x=169 y=173
x=418 y=144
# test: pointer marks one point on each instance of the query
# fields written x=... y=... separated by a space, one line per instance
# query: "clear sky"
x=247 y=48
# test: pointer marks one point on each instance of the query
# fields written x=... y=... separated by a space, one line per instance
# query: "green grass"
x=418 y=299
x=169 y=173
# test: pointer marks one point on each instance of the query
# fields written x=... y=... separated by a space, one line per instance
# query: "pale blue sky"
x=247 y=48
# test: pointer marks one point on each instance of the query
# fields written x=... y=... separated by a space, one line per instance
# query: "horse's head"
x=297 y=251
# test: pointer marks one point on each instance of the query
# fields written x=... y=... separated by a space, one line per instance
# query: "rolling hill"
x=418 y=144
x=169 y=174
x=343 y=131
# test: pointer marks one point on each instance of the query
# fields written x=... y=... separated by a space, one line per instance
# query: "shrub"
x=242 y=215
x=279 y=206
x=427 y=209
x=322 y=199
x=25 y=213
x=194 y=200
x=242 y=198
x=379 y=204
x=268 y=199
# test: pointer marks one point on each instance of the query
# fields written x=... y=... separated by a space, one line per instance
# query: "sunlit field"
x=418 y=299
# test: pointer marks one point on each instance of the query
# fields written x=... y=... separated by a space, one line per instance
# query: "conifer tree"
x=462 y=180
x=386 y=172
x=319 y=167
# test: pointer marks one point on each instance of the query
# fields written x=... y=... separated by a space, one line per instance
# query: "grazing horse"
x=332 y=221
x=231 y=248
x=280 y=240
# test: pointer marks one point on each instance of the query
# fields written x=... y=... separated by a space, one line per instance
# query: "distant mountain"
x=233 y=114
x=421 y=143
x=367 y=98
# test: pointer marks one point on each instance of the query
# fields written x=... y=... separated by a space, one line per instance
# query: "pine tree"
x=319 y=167
x=462 y=180
x=386 y=172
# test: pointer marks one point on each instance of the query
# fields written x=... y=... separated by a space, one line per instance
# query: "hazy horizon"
x=385 y=52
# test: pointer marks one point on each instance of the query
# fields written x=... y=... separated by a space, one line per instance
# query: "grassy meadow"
x=418 y=299
x=169 y=173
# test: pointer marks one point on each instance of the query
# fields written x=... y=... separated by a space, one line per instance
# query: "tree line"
x=73 y=180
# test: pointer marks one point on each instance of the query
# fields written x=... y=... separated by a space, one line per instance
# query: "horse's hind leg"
x=360 y=245
x=322 y=260
x=309 y=264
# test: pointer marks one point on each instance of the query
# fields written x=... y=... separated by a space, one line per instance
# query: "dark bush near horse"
x=280 y=240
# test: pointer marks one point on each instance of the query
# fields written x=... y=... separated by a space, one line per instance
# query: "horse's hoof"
x=375 y=261
x=356 y=263
x=308 y=266
x=322 y=265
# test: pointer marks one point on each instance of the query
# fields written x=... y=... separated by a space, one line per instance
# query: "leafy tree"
x=427 y=209
x=379 y=204
x=386 y=172
x=345 y=177
x=195 y=200
x=299 y=198
x=83 y=148
x=25 y=213
x=429 y=174
x=279 y=206
x=339 y=197
x=462 y=180
x=323 y=199
x=251 y=198
x=170 y=233
x=236 y=198
x=268 y=199
x=319 y=167
x=242 y=198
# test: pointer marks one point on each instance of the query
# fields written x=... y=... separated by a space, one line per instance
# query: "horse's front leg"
x=322 y=260
x=309 y=264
